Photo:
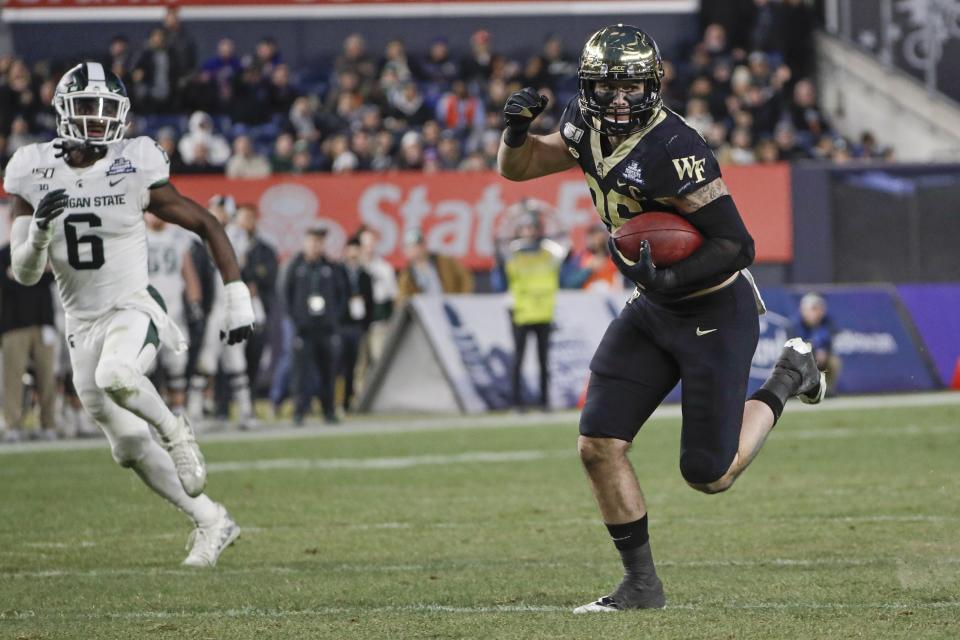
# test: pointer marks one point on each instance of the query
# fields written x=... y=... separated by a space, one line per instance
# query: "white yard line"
x=434 y=608
x=406 y=462
x=449 y=565
x=107 y=537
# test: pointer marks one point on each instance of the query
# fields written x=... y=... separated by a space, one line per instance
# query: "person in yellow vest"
x=531 y=269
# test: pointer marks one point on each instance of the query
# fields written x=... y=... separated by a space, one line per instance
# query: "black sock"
x=640 y=588
x=778 y=388
x=630 y=535
x=771 y=400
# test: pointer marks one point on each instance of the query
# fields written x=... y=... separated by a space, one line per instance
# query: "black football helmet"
x=620 y=55
x=92 y=105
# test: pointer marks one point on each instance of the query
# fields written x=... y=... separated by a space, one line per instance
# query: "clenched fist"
x=519 y=112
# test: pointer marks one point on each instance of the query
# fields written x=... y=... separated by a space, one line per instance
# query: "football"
x=672 y=238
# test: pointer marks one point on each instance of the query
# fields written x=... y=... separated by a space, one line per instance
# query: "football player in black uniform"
x=694 y=321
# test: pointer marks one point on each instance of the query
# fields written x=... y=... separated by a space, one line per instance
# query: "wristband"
x=515 y=138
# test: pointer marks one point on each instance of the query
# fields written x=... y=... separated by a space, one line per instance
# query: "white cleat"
x=606 y=604
x=183 y=448
x=207 y=543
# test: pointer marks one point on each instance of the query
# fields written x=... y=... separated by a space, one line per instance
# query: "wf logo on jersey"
x=689 y=167
x=121 y=165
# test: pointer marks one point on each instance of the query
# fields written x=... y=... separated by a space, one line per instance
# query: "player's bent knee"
x=116 y=378
x=717 y=486
x=596 y=452
x=702 y=468
x=129 y=450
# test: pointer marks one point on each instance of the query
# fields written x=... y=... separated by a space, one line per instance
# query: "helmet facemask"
x=619 y=107
x=620 y=74
x=91 y=117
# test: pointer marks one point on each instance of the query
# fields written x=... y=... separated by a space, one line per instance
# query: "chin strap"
x=66 y=147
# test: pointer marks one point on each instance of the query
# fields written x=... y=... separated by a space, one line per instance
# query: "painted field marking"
x=434 y=608
x=357 y=567
x=402 y=462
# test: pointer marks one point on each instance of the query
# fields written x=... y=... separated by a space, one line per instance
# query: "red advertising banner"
x=459 y=212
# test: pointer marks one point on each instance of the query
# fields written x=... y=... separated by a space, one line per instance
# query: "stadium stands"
x=746 y=90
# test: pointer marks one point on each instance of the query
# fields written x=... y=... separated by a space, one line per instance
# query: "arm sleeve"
x=152 y=165
x=727 y=246
x=16 y=176
x=26 y=260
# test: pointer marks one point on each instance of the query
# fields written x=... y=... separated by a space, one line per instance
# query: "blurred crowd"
x=322 y=319
x=745 y=85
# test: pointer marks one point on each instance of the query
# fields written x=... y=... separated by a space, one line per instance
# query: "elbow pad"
x=720 y=219
x=28 y=254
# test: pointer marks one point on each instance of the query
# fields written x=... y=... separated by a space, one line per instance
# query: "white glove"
x=239 y=317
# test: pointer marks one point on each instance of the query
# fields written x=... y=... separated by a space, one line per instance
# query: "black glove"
x=643 y=272
x=236 y=336
x=519 y=112
x=51 y=206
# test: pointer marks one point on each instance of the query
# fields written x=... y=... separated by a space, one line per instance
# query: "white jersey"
x=165 y=256
x=99 y=247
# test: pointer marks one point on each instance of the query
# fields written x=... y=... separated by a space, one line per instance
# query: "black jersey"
x=665 y=160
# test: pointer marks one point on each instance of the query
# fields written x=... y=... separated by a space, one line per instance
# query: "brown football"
x=671 y=237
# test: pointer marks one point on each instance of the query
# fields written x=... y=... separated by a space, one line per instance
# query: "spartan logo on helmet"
x=91 y=104
x=620 y=74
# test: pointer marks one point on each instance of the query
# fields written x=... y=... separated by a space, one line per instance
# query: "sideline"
x=379 y=425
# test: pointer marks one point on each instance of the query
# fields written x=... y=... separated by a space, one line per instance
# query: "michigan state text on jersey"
x=79 y=201
x=694 y=321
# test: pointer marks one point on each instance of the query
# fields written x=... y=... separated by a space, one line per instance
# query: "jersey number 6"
x=95 y=259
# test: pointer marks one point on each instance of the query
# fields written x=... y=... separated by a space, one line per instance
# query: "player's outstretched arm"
x=31 y=234
x=169 y=205
x=522 y=156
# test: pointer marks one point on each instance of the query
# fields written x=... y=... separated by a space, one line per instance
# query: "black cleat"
x=797 y=357
x=647 y=597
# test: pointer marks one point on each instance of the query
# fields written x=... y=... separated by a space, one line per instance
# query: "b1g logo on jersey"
x=121 y=165
x=572 y=132
x=689 y=167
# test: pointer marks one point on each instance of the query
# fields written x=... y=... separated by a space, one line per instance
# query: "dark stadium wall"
x=316 y=43
x=812 y=226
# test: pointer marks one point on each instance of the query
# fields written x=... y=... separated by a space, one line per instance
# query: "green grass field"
x=845 y=527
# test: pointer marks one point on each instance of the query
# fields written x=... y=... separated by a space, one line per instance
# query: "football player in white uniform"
x=79 y=201
x=214 y=354
x=173 y=274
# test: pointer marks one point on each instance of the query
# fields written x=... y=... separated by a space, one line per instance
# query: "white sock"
x=241 y=393
x=156 y=470
x=198 y=385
